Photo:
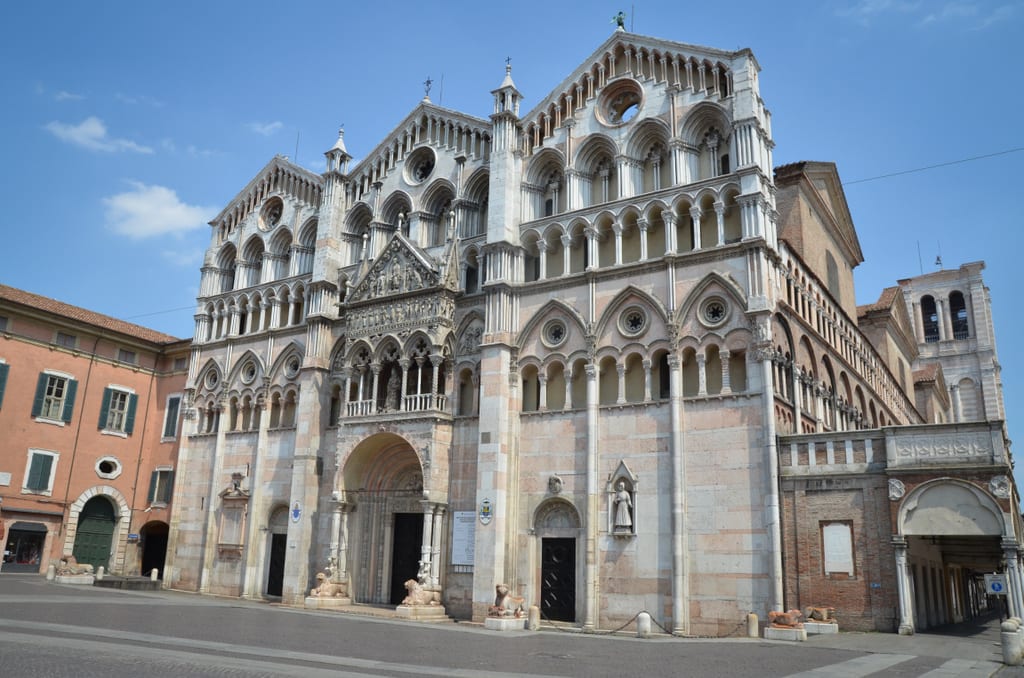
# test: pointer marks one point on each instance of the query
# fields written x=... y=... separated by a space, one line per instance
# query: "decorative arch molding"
x=234 y=376
x=947 y=506
x=702 y=116
x=439 y=190
x=122 y=514
x=556 y=515
x=631 y=294
x=545 y=312
x=277 y=368
x=542 y=162
x=648 y=133
x=203 y=385
x=381 y=462
x=725 y=281
x=594 y=149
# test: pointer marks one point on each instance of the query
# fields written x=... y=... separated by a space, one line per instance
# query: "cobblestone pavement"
x=52 y=630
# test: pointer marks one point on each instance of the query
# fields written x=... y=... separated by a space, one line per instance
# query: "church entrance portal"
x=277 y=551
x=154 y=548
x=405 y=552
x=558 y=579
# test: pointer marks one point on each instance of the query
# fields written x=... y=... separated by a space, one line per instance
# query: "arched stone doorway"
x=277 y=550
x=392 y=531
x=153 y=538
x=557 y=528
x=951 y=533
x=95 y=532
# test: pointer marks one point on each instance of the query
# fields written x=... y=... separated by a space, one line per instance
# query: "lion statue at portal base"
x=785 y=620
x=325 y=588
x=505 y=604
x=825 y=615
x=420 y=596
x=69 y=565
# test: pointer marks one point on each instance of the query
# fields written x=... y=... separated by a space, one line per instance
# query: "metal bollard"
x=752 y=626
x=1010 y=641
x=51 y=572
x=100 y=571
x=643 y=625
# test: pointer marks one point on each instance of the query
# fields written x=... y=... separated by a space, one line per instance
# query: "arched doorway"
x=383 y=483
x=277 y=550
x=557 y=525
x=94 y=535
x=954 y=534
x=154 y=547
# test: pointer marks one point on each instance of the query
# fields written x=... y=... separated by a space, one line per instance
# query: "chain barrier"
x=739 y=630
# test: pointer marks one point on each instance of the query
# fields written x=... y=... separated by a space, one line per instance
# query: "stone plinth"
x=505 y=623
x=421 y=612
x=80 y=579
x=772 y=633
x=326 y=603
x=817 y=628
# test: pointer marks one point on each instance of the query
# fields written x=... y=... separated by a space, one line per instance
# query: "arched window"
x=958 y=311
x=929 y=319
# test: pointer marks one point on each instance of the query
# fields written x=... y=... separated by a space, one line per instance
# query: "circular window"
x=291 y=368
x=419 y=166
x=212 y=379
x=270 y=216
x=555 y=333
x=108 y=468
x=621 y=102
x=633 y=321
x=248 y=372
x=714 y=312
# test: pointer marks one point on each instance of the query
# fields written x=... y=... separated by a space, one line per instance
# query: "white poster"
x=838 y=548
x=463 y=536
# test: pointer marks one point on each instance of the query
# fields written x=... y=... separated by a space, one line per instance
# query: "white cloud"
x=91 y=133
x=265 y=128
x=147 y=211
x=966 y=14
x=864 y=11
x=67 y=96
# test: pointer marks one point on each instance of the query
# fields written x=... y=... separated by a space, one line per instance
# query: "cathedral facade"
x=580 y=350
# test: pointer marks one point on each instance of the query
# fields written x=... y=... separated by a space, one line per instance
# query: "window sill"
x=168 y=439
x=40 y=493
x=47 y=420
x=116 y=434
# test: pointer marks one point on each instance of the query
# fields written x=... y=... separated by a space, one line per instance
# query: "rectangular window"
x=126 y=356
x=117 y=412
x=4 y=369
x=55 y=397
x=171 y=416
x=180 y=364
x=66 y=340
x=161 y=485
x=3 y=323
x=39 y=471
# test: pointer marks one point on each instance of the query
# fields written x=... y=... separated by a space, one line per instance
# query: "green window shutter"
x=105 y=407
x=171 y=424
x=168 y=488
x=37 y=403
x=129 y=417
x=4 y=369
x=39 y=472
x=69 y=400
x=152 y=485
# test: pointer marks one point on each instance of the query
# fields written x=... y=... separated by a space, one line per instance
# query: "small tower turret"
x=502 y=224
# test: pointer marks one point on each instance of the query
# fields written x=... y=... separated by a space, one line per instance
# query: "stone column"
x=669 y=219
x=642 y=225
x=695 y=214
x=542 y=249
x=906 y=627
x=958 y=412
x=617 y=230
x=680 y=578
x=702 y=375
x=436 y=387
x=566 y=255
x=542 y=397
x=720 y=217
x=723 y=357
x=404 y=364
x=945 y=321
x=568 y=390
x=590 y=577
x=621 y=370
x=1013 y=578
x=647 y=380
x=257 y=519
x=426 y=546
x=343 y=543
x=435 y=547
x=375 y=368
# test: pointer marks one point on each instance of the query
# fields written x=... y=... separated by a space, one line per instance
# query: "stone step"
x=128 y=583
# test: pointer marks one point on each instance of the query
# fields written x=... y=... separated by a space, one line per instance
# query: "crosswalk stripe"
x=964 y=668
x=856 y=668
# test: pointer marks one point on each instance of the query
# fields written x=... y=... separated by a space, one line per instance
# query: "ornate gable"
x=279 y=177
x=400 y=269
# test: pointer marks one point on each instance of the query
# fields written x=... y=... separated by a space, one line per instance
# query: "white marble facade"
x=450 y=359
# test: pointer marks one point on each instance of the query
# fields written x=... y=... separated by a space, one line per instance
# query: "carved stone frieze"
x=431 y=311
x=1000 y=486
x=896 y=489
x=943 y=448
x=398 y=270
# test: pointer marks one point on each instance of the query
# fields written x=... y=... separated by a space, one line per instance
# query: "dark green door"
x=95 y=533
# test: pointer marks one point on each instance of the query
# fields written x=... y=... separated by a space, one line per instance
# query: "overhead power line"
x=929 y=167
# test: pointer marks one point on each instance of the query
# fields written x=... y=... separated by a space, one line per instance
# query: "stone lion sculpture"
x=325 y=588
x=826 y=615
x=505 y=604
x=786 y=620
x=69 y=565
x=418 y=595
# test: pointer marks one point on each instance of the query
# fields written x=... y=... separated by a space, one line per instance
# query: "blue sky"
x=127 y=125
